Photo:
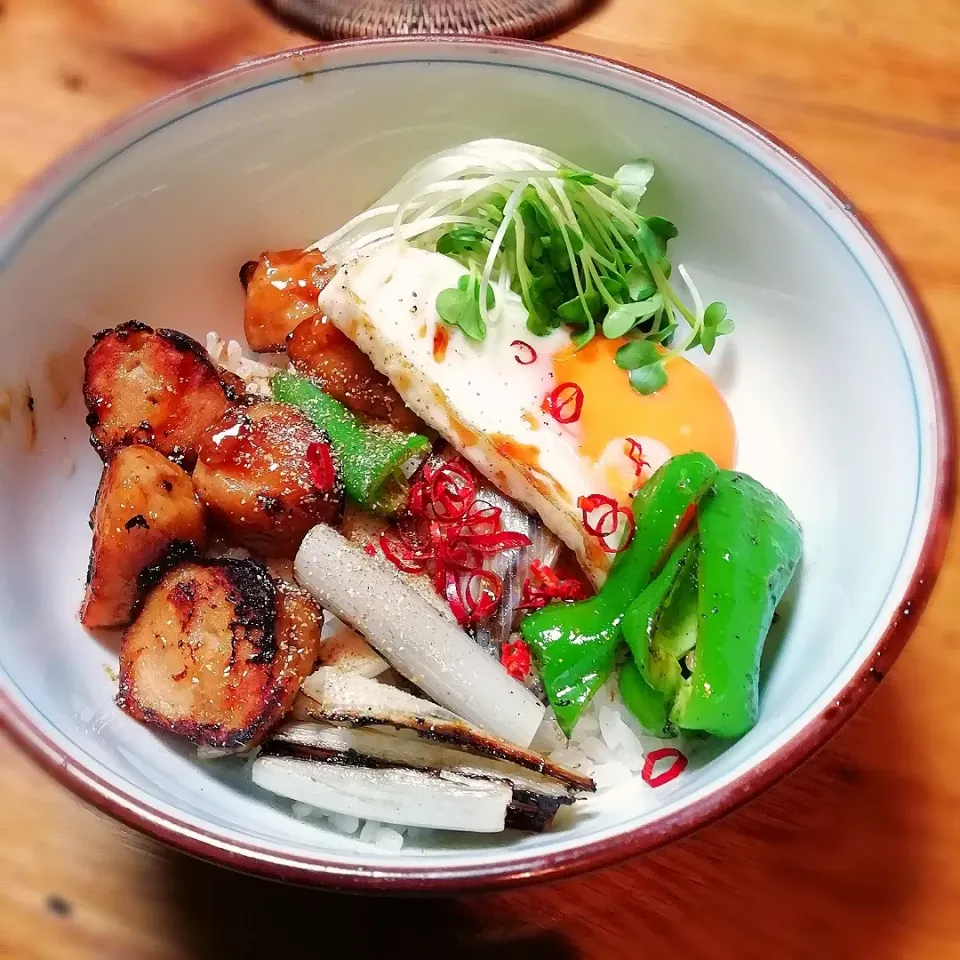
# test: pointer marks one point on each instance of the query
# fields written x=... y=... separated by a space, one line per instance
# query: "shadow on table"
x=823 y=865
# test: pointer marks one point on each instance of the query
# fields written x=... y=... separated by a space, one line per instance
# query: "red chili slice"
x=482 y=518
x=417 y=499
x=601 y=519
x=458 y=554
x=482 y=590
x=496 y=542
x=564 y=403
x=627 y=535
x=320 y=464
x=451 y=590
x=599 y=514
x=515 y=657
x=553 y=587
x=453 y=489
x=370 y=550
x=402 y=556
x=634 y=451
x=671 y=773
x=447 y=533
x=525 y=354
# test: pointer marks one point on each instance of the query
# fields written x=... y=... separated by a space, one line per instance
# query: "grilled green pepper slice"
x=371 y=455
x=715 y=596
x=660 y=626
x=649 y=706
x=750 y=545
x=575 y=644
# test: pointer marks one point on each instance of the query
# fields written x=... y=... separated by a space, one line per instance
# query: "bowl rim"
x=264 y=860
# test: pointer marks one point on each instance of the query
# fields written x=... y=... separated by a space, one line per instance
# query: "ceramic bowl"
x=832 y=377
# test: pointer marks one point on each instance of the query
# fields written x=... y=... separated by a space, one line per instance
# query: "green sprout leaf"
x=622 y=319
x=637 y=354
x=640 y=284
x=573 y=310
x=715 y=323
x=632 y=179
x=665 y=335
x=460 y=307
x=664 y=229
x=648 y=379
x=460 y=240
x=647 y=241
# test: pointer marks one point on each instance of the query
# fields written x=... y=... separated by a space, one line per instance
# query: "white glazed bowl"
x=831 y=375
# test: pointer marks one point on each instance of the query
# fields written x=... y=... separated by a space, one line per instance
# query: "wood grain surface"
x=857 y=854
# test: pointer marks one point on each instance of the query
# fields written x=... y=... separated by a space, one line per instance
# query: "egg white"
x=479 y=393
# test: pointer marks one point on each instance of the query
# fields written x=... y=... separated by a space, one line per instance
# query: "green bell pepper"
x=575 y=644
x=715 y=596
x=371 y=455
x=660 y=626
x=750 y=545
x=649 y=706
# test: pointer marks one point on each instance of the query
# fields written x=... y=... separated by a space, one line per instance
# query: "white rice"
x=607 y=743
x=255 y=370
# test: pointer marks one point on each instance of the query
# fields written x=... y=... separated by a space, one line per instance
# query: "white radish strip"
x=416 y=640
x=407 y=797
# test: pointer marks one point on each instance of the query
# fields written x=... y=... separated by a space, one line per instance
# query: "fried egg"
x=487 y=397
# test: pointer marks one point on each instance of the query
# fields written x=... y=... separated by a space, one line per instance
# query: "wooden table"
x=858 y=854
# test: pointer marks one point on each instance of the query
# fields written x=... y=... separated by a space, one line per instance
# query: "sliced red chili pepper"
x=671 y=773
x=564 y=403
x=546 y=573
x=370 y=550
x=402 y=556
x=446 y=532
x=601 y=519
x=481 y=593
x=634 y=451
x=626 y=537
x=453 y=489
x=599 y=514
x=533 y=597
x=525 y=354
x=320 y=464
x=482 y=517
x=459 y=554
x=553 y=587
x=451 y=590
x=515 y=657
x=417 y=499
x=496 y=542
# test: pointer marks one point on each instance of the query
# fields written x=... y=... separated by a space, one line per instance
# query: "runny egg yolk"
x=688 y=413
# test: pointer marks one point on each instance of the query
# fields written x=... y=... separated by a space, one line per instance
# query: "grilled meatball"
x=218 y=652
x=282 y=289
x=145 y=504
x=320 y=351
x=257 y=474
x=157 y=388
